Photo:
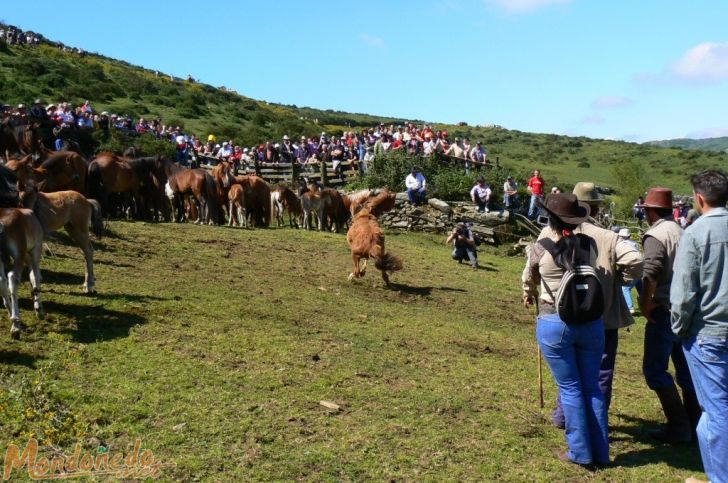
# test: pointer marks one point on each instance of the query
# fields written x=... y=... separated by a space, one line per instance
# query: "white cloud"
x=706 y=62
x=713 y=132
x=373 y=41
x=610 y=102
x=524 y=6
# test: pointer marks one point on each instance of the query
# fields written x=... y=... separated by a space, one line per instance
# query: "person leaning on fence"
x=480 y=195
x=464 y=245
x=660 y=244
x=416 y=187
x=510 y=193
x=699 y=306
x=618 y=263
x=573 y=349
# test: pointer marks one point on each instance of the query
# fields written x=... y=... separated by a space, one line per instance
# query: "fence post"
x=256 y=164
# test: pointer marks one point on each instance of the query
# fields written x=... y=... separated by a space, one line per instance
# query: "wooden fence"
x=290 y=172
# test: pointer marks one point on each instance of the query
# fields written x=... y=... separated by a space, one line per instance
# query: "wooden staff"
x=540 y=370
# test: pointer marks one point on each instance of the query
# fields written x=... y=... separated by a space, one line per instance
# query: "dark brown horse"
x=21 y=240
x=108 y=174
x=196 y=183
x=284 y=199
x=19 y=139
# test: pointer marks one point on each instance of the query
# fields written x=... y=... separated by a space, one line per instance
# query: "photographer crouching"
x=464 y=242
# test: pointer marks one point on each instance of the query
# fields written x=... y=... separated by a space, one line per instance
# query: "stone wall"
x=440 y=217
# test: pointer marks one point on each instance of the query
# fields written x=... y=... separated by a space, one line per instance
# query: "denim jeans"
x=416 y=197
x=660 y=346
x=627 y=292
x=574 y=354
x=533 y=210
x=707 y=358
x=606 y=375
x=462 y=252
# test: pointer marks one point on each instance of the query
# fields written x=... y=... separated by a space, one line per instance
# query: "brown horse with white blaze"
x=21 y=240
x=366 y=238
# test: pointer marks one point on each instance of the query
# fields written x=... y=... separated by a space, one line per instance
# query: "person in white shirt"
x=416 y=185
x=510 y=193
x=480 y=194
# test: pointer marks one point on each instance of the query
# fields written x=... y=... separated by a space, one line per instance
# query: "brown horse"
x=21 y=240
x=313 y=204
x=72 y=211
x=236 y=198
x=18 y=139
x=224 y=178
x=335 y=214
x=196 y=183
x=284 y=199
x=109 y=173
x=62 y=170
x=257 y=199
x=366 y=238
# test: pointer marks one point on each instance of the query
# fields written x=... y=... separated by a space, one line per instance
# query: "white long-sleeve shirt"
x=415 y=182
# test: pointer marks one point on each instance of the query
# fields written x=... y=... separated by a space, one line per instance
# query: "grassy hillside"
x=710 y=144
x=28 y=72
x=218 y=358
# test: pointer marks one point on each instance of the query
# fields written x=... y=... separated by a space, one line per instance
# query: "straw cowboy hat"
x=658 y=198
x=567 y=208
x=587 y=192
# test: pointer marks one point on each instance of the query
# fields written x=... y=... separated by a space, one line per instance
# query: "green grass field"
x=215 y=347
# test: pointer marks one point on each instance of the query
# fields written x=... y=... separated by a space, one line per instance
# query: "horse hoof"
x=16 y=329
x=40 y=314
x=351 y=277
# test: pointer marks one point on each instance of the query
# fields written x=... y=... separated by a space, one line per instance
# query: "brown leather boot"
x=678 y=429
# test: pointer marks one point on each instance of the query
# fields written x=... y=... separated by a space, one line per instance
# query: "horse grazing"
x=257 y=199
x=72 y=211
x=366 y=239
x=196 y=183
x=284 y=199
x=21 y=240
x=236 y=198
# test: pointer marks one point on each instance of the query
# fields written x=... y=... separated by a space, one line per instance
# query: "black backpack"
x=579 y=298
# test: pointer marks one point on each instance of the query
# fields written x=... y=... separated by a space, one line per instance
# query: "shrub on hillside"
x=633 y=183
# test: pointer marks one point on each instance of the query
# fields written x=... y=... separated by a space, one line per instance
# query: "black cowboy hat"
x=566 y=207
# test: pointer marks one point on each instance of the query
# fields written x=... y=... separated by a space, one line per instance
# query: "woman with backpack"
x=569 y=327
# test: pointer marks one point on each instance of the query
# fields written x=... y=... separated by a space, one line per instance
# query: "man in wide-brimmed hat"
x=573 y=351
x=660 y=244
x=618 y=263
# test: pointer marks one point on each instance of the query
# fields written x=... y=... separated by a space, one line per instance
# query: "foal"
x=21 y=238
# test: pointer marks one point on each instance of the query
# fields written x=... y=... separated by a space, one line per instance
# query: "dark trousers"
x=661 y=345
x=606 y=374
x=462 y=252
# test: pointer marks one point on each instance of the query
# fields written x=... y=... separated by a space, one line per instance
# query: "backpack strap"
x=550 y=246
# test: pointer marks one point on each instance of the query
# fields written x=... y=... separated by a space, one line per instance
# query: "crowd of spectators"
x=14 y=36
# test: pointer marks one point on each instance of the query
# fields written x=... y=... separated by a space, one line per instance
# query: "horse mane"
x=381 y=203
x=359 y=196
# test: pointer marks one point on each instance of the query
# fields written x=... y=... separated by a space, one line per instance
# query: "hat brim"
x=584 y=208
x=651 y=205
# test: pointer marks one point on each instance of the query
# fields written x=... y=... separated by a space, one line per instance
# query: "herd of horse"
x=42 y=194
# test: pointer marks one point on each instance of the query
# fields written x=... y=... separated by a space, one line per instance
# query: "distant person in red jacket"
x=535 y=187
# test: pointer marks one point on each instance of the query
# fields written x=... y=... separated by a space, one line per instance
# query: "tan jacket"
x=618 y=263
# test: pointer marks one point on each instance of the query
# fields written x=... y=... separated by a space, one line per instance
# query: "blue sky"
x=636 y=70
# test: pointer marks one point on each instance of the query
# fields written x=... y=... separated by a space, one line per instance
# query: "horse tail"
x=266 y=207
x=387 y=262
x=212 y=198
x=94 y=182
x=97 y=219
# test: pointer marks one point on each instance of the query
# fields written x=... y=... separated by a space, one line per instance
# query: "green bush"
x=633 y=183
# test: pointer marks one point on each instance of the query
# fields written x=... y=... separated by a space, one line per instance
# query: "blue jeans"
x=627 y=292
x=416 y=197
x=660 y=346
x=707 y=358
x=462 y=252
x=533 y=210
x=606 y=374
x=574 y=354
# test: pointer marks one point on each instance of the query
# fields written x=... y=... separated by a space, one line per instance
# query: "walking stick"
x=540 y=370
